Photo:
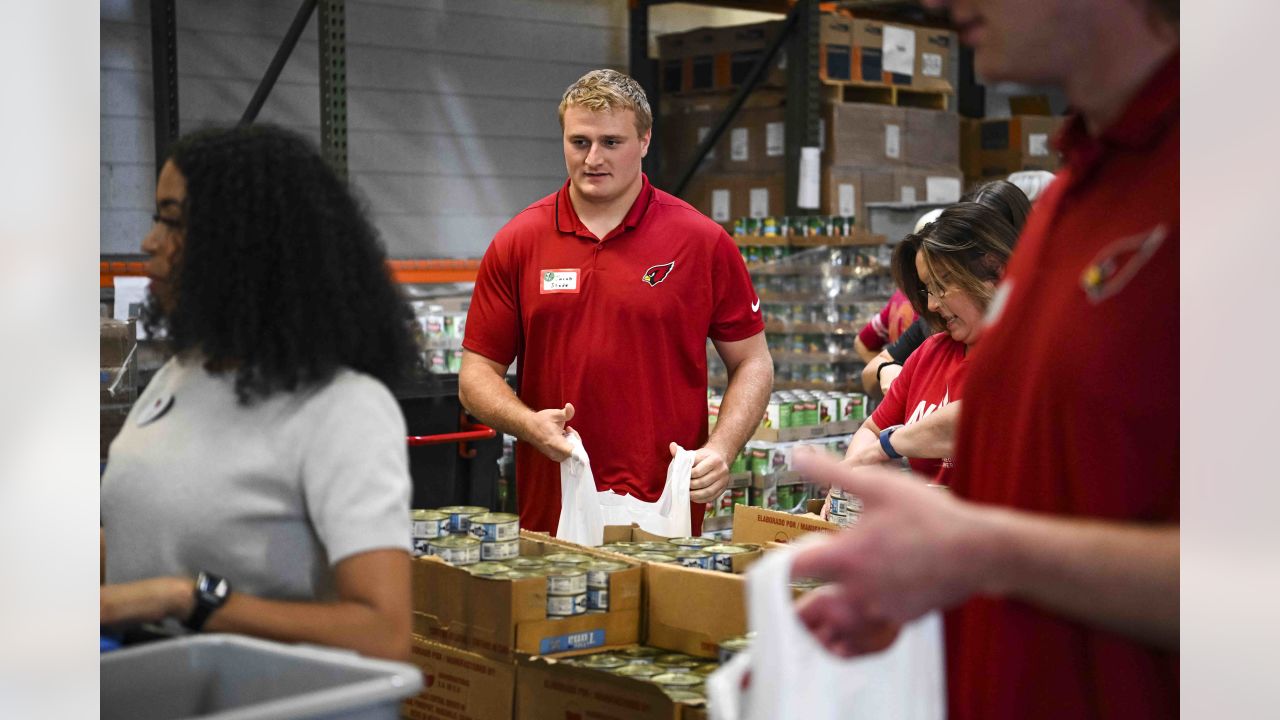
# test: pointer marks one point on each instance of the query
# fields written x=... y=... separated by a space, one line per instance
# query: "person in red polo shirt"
x=1057 y=551
x=605 y=292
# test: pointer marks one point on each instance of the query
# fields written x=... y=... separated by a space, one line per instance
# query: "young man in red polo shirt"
x=1058 y=553
x=606 y=292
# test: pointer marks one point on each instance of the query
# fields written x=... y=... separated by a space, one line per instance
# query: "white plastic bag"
x=793 y=676
x=584 y=511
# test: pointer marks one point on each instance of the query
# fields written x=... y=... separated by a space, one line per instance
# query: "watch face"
x=213 y=588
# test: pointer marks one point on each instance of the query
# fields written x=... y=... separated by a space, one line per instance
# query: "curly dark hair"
x=281 y=277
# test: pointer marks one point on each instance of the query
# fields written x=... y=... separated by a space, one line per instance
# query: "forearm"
x=1119 y=576
x=867 y=436
x=486 y=395
x=930 y=437
x=351 y=625
x=745 y=398
x=870 y=383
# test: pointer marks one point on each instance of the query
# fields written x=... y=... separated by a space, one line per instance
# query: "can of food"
x=429 y=524
x=722 y=556
x=495 y=527
x=733 y=646
x=597 y=599
x=621 y=548
x=694 y=558
x=706 y=668
x=460 y=516
x=657 y=547
x=457 y=549
x=678 y=662
x=692 y=542
x=853 y=406
x=598 y=572
x=603 y=661
x=681 y=695
x=739 y=496
x=678 y=681
x=524 y=575
x=566 y=580
x=525 y=563
x=639 y=670
x=653 y=557
x=568 y=558
x=501 y=550
x=488 y=569
x=566 y=605
x=641 y=653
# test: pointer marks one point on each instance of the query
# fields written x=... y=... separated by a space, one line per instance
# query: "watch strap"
x=887 y=446
x=211 y=592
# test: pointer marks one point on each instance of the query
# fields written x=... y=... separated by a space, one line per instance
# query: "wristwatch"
x=887 y=446
x=211 y=593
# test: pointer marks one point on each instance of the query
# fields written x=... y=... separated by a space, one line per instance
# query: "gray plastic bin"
x=897 y=220
x=231 y=677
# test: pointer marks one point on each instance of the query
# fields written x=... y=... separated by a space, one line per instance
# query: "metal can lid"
x=693 y=542
x=727 y=549
x=525 y=561
x=684 y=680
x=691 y=553
x=568 y=558
x=565 y=571
x=642 y=651
x=604 y=661
x=488 y=568
x=464 y=509
x=736 y=644
x=706 y=669
x=493 y=518
x=658 y=547
x=428 y=515
x=455 y=541
x=621 y=549
x=654 y=557
x=523 y=574
x=607 y=566
x=682 y=695
x=639 y=670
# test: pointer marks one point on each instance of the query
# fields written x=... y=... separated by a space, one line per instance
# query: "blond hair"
x=606 y=91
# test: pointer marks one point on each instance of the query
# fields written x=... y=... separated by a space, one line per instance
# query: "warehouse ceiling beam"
x=283 y=52
x=164 y=77
x=753 y=78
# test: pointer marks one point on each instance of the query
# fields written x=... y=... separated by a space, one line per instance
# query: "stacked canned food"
x=465 y=534
x=806 y=408
x=845 y=507
x=795 y=226
x=680 y=676
x=695 y=552
x=439 y=334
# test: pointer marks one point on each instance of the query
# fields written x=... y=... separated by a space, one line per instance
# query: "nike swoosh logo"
x=755 y=305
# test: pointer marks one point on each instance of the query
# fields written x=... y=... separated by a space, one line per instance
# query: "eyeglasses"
x=937 y=292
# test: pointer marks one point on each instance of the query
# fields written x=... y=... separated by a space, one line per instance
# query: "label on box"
x=774 y=139
x=572 y=641
x=759 y=203
x=810 y=178
x=931 y=64
x=845 y=200
x=908 y=194
x=1038 y=145
x=738 y=140
x=702 y=135
x=720 y=205
x=892 y=141
x=899 y=50
x=938 y=189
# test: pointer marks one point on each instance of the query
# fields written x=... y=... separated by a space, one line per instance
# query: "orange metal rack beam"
x=404 y=271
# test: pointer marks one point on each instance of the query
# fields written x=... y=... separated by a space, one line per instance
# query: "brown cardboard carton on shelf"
x=746 y=44
x=846 y=190
x=863 y=135
x=762 y=526
x=459 y=685
x=756 y=141
x=1021 y=142
x=731 y=196
x=971 y=147
x=933 y=59
x=498 y=618
x=835 y=47
x=633 y=533
x=931 y=138
x=931 y=185
x=871 y=62
x=681 y=135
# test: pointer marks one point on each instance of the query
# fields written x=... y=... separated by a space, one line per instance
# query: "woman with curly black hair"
x=266 y=460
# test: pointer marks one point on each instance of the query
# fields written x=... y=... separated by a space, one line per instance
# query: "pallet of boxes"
x=549 y=629
x=889 y=132
x=994 y=148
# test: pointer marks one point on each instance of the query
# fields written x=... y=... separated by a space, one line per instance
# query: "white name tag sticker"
x=563 y=280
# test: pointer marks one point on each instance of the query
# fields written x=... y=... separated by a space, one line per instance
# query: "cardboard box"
x=931 y=138
x=932 y=185
x=971 y=147
x=716 y=58
x=871 y=62
x=933 y=59
x=725 y=197
x=761 y=525
x=633 y=533
x=1021 y=142
x=498 y=618
x=863 y=135
x=847 y=190
x=691 y=610
x=835 y=47
x=755 y=142
x=459 y=685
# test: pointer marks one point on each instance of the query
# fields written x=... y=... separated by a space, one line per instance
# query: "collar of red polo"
x=1141 y=124
x=567 y=218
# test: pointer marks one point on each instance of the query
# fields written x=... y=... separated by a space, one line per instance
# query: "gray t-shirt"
x=271 y=495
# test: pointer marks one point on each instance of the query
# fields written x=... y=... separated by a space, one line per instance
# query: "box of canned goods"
x=460 y=517
x=566 y=605
x=495 y=527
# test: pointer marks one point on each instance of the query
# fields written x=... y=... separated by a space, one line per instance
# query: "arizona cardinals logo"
x=1117 y=263
x=658 y=273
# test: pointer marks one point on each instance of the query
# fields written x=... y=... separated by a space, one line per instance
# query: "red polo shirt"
x=931 y=379
x=1071 y=409
x=617 y=326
